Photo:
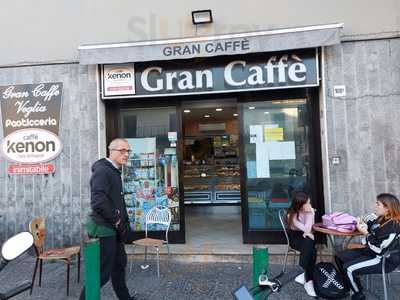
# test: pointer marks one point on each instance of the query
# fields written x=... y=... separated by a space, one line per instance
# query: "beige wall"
x=50 y=31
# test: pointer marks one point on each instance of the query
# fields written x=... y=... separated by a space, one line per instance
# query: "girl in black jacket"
x=381 y=235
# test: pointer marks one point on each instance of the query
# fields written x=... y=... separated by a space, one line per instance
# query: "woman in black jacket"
x=381 y=235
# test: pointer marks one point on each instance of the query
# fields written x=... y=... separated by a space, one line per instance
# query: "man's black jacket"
x=107 y=199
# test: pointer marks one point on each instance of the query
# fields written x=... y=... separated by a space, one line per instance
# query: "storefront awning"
x=209 y=46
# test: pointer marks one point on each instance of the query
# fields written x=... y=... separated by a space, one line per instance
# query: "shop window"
x=150 y=177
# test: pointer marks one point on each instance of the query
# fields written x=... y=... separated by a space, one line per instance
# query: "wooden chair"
x=38 y=230
x=156 y=215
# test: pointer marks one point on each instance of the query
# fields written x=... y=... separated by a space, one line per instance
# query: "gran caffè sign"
x=31 y=120
x=223 y=74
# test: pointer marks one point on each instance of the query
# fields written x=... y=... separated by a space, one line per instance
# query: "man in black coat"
x=108 y=220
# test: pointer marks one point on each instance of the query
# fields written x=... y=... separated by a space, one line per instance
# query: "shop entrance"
x=211 y=173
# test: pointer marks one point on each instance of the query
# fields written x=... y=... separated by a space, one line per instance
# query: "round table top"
x=318 y=227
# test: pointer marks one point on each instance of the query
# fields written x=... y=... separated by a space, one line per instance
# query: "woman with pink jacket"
x=300 y=218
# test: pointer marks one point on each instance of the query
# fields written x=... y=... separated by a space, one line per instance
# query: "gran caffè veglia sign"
x=31 y=120
x=263 y=71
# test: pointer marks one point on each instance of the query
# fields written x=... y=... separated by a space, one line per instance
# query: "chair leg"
x=158 y=262
x=40 y=271
x=34 y=275
x=285 y=260
x=168 y=254
x=79 y=265
x=384 y=280
x=131 y=263
x=68 y=270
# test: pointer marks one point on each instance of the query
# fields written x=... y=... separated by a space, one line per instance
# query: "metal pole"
x=92 y=269
x=260 y=264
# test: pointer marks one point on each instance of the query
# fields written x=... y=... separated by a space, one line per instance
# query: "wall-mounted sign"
x=31 y=146
x=31 y=121
x=119 y=80
x=31 y=169
x=339 y=91
x=31 y=106
x=225 y=74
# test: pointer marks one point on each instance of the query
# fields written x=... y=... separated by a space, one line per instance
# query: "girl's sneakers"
x=301 y=278
x=309 y=287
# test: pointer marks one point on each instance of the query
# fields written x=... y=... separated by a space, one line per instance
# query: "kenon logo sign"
x=31 y=145
x=119 y=80
x=119 y=74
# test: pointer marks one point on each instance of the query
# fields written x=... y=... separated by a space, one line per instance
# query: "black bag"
x=328 y=282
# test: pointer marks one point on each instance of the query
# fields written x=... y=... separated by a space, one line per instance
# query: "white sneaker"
x=301 y=278
x=309 y=287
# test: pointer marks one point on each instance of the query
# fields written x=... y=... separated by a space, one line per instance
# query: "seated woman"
x=380 y=233
x=300 y=219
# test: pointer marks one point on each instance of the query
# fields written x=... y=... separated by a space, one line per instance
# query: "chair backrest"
x=159 y=215
x=283 y=219
x=38 y=229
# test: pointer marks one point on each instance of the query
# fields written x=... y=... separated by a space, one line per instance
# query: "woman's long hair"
x=299 y=199
x=392 y=204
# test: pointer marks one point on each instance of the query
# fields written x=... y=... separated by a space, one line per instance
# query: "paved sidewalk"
x=179 y=280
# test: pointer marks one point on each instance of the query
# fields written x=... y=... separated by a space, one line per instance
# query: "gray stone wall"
x=363 y=127
x=61 y=198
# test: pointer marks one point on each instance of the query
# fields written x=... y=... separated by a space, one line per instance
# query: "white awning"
x=209 y=46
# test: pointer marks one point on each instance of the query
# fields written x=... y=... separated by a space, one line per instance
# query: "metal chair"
x=283 y=219
x=384 y=274
x=38 y=230
x=156 y=215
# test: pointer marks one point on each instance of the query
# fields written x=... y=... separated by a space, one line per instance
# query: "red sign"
x=31 y=169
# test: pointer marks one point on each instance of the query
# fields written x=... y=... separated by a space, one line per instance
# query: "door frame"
x=114 y=130
x=314 y=140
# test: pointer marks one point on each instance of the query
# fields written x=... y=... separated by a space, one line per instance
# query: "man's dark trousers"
x=112 y=264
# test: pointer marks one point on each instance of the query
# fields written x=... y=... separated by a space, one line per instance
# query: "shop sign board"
x=278 y=70
x=29 y=169
x=119 y=80
x=31 y=145
x=31 y=119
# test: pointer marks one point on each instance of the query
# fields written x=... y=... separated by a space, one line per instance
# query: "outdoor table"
x=348 y=236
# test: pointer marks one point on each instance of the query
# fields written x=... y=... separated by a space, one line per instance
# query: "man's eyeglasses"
x=123 y=151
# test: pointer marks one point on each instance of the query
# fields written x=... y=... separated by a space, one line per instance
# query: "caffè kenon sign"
x=225 y=74
x=31 y=121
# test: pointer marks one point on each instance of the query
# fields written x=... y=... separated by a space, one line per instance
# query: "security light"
x=201 y=16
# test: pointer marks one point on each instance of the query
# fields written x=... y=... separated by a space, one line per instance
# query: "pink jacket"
x=303 y=222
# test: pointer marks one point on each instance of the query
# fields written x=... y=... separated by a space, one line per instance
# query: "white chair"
x=156 y=215
x=283 y=219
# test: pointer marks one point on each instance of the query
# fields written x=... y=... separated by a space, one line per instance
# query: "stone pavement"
x=179 y=280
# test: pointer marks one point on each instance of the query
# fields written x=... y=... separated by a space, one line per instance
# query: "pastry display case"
x=214 y=178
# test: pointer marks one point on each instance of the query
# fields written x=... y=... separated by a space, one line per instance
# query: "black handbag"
x=328 y=282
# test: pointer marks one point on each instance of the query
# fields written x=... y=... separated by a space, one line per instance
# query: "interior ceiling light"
x=186 y=111
x=266 y=112
x=235 y=115
x=252 y=107
x=219 y=109
x=207 y=116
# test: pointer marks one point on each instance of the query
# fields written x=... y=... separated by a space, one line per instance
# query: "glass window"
x=276 y=158
x=151 y=175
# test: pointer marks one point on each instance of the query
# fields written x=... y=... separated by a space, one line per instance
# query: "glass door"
x=151 y=176
x=276 y=162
